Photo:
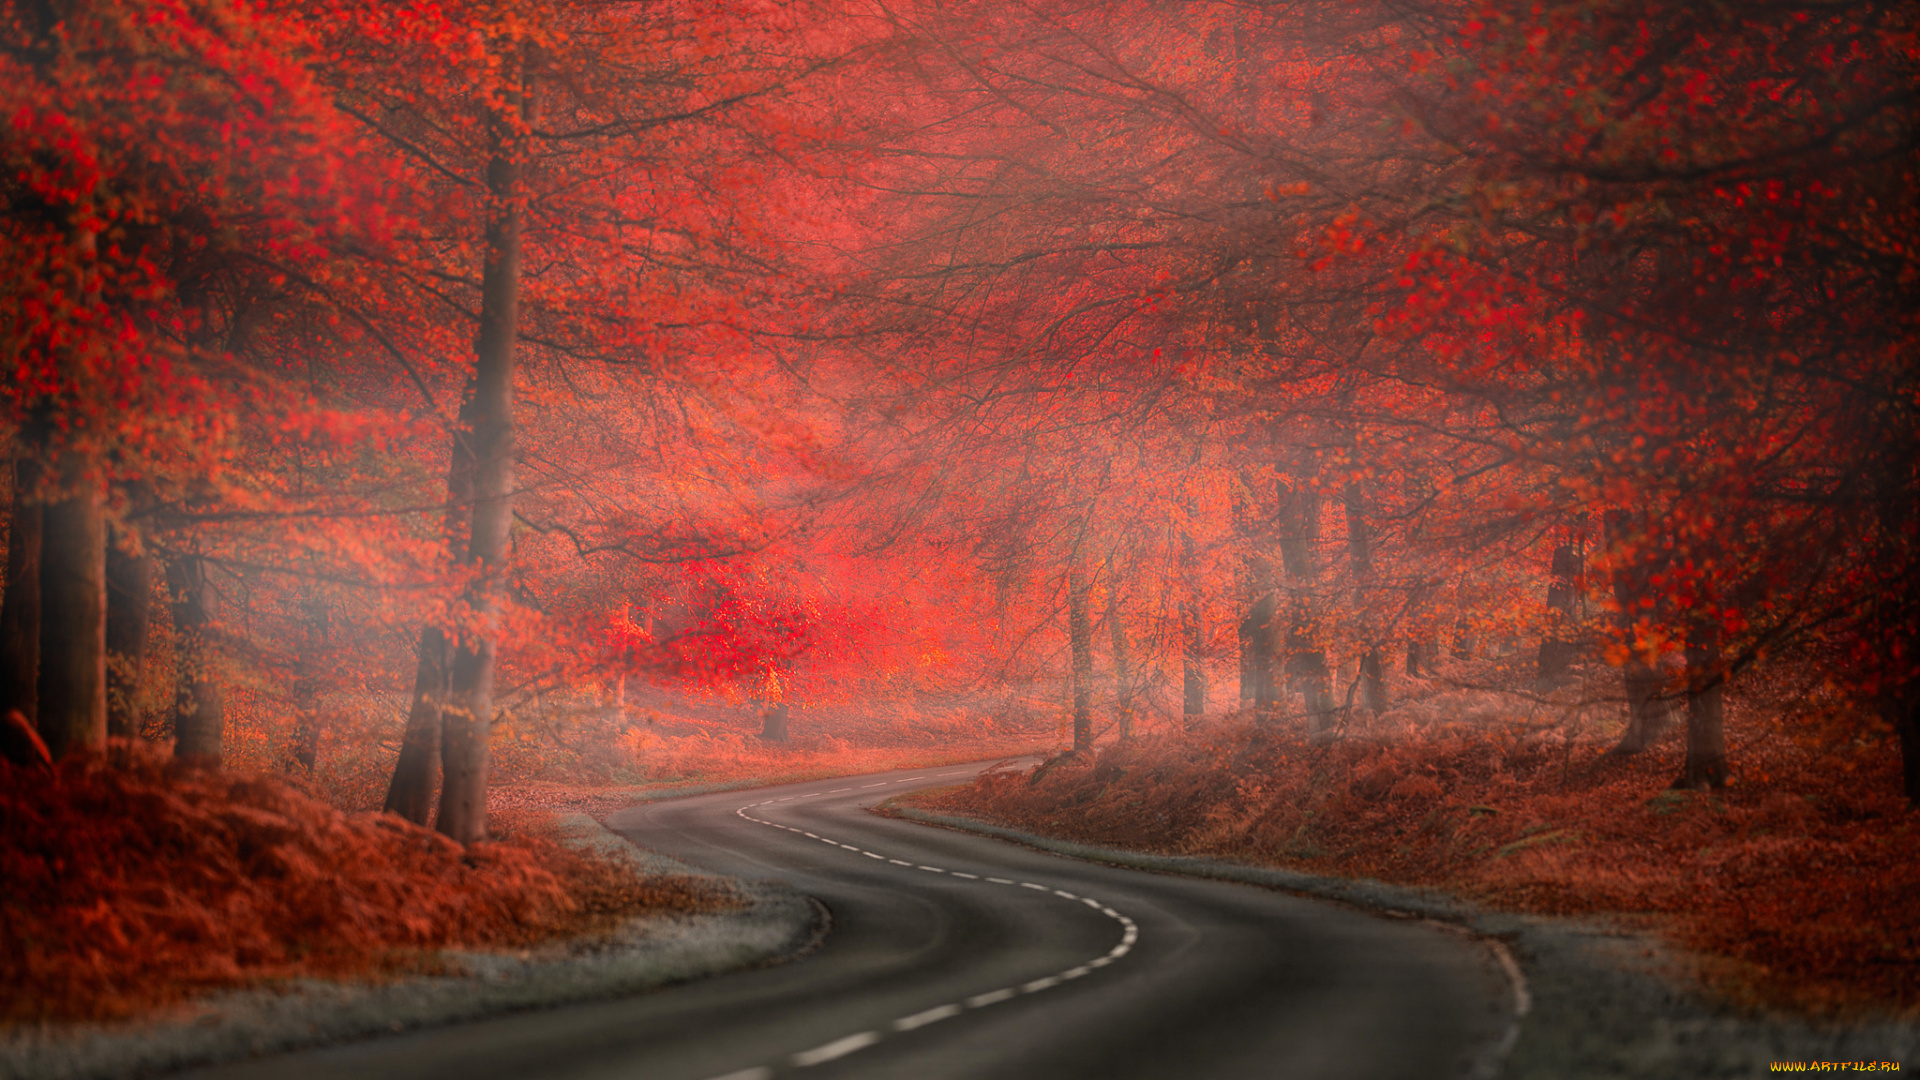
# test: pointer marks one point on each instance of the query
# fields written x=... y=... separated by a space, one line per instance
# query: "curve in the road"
x=860 y=1040
x=954 y=956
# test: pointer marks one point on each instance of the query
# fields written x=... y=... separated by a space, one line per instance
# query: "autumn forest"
x=1470 y=444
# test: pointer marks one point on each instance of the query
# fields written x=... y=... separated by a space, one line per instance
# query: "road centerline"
x=857 y=1041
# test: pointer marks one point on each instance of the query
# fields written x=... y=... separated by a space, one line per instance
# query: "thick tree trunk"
x=1258 y=682
x=129 y=604
x=415 y=786
x=1650 y=709
x=1122 y=664
x=20 y=609
x=73 y=614
x=1706 y=766
x=1558 y=647
x=416 y=776
x=1080 y=639
x=1193 y=672
x=1373 y=680
x=1465 y=645
x=773 y=724
x=199 y=711
x=468 y=714
x=1900 y=708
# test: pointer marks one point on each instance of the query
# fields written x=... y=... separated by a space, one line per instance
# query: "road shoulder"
x=774 y=924
x=1596 y=1000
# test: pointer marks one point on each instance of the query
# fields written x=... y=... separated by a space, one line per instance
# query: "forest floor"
x=133 y=885
x=1790 y=891
x=598 y=799
x=669 y=746
x=584 y=755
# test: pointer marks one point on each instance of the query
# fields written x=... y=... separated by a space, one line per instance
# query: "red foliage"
x=131 y=883
x=1801 y=876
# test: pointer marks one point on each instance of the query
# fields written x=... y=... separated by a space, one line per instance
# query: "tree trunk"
x=773 y=727
x=468 y=714
x=1307 y=671
x=1193 y=672
x=73 y=614
x=199 y=712
x=1465 y=645
x=129 y=605
x=1706 y=766
x=1373 y=680
x=1650 y=710
x=1558 y=647
x=1900 y=708
x=20 y=609
x=1373 y=683
x=1122 y=664
x=1080 y=637
x=1258 y=683
x=309 y=719
x=416 y=776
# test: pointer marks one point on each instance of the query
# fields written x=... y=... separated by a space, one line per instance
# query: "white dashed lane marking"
x=841 y=1047
x=838 y=1048
x=922 y=1019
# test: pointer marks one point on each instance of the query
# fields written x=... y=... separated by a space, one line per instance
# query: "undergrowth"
x=1793 y=888
x=132 y=884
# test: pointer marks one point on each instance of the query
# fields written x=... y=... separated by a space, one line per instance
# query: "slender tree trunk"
x=20 y=610
x=1122 y=663
x=1257 y=632
x=1307 y=669
x=309 y=719
x=199 y=713
x=1193 y=671
x=1080 y=638
x=73 y=614
x=1373 y=683
x=1558 y=647
x=129 y=606
x=1706 y=766
x=468 y=714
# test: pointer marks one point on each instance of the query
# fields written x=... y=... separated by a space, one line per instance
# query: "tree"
x=139 y=136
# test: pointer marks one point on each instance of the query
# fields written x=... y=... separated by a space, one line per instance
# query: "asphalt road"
x=956 y=956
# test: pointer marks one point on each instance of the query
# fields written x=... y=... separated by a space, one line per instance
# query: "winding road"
x=957 y=957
